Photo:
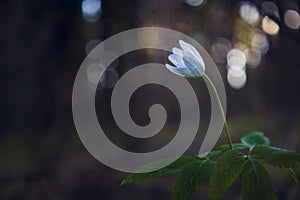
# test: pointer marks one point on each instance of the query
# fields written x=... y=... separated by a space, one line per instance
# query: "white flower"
x=187 y=60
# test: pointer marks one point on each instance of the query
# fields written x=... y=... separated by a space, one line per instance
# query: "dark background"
x=42 y=45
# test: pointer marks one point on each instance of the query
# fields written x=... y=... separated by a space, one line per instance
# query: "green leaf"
x=256 y=183
x=292 y=174
x=173 y=168
x=276 y=156
x=254 y=139
x=210 y=154
x=191 y=177
x=227 y=147
x=228 y=167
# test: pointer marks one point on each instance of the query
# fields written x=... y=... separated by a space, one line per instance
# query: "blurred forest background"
x=255 y=44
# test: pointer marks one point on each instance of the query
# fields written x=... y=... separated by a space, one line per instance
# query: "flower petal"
x=177 y=51
x=193 y=64
x=180 y=71
x=190 y=48
x=187 y=73
x=191 y=68
x=176 y=60
x=173 y=69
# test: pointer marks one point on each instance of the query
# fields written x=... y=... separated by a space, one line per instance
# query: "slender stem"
x=221 y=109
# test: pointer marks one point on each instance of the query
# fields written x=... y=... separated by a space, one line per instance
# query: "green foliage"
x=222 y=166
x=173 y=168
x=276 y=156
x=255 y=139
x=292 y=174
x=235 y=146
x=210 y=154
x=256 y=183
x=229 y=166
x=191 y=177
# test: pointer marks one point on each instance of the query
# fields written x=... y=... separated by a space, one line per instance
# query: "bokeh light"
x=194 y=2
x=236 y=78
x=270 y=26
x=249 y=13
x=236 y=59
x=253 y=57
x=91 y=10
x=260 y=42
x=292 y=19
x=236 y=65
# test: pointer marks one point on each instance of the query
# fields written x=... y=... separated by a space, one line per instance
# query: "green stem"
x=221 y=109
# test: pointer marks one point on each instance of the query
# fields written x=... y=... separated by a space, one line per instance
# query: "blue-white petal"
x=190 y=48
x=176 y=60
x=173 y=70
x=181 y=71
x=192 y=70
x=186 y=72
x=188 y=58
x=177 y=51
